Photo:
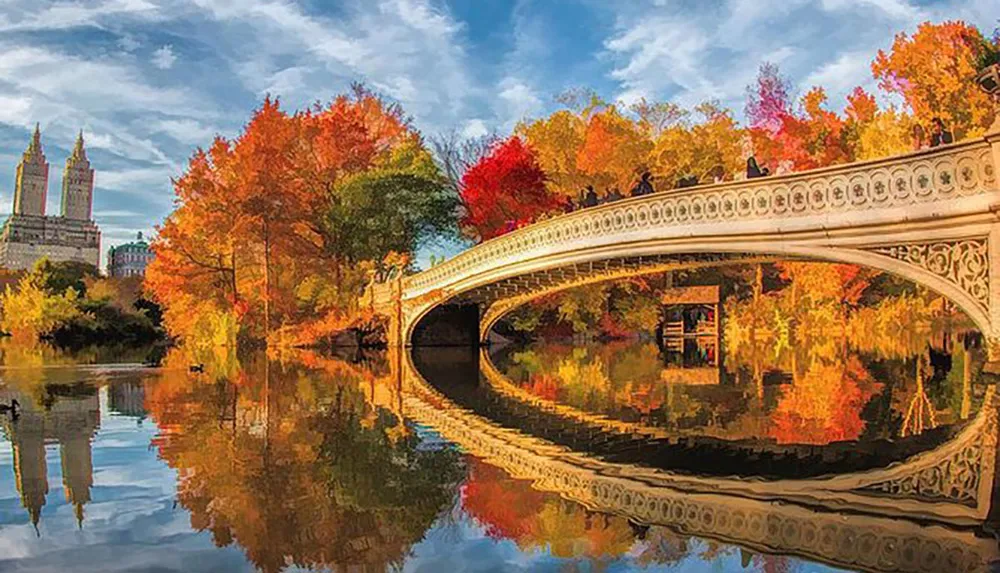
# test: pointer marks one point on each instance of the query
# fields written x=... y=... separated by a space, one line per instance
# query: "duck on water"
x=10 y=410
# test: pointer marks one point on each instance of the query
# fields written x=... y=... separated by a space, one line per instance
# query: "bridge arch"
x=972 y=254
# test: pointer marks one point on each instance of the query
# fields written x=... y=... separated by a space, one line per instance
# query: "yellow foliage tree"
x=556 y=141
x=30 y=311
x=888 y=133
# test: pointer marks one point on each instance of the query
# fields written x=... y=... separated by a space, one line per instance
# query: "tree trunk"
x=267 y=282
x=232 y=276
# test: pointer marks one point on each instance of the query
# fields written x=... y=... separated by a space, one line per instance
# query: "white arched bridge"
x=930 y=217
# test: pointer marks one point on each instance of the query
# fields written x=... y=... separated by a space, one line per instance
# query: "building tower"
x=78 y=184
x=32 y=183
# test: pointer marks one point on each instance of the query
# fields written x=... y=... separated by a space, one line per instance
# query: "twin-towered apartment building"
x=29 y=234
x=72 y=235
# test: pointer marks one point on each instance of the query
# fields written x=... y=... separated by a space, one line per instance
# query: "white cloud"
x=128 y=43
x=117 y=214
x=409 y=49
x=54 y=75
x=68 y=14
x=841 y=75
x=661 y=54
x=517 y=101
x=186 y=131
x=286 y=81
x=164 y=57
x=474 y=128
x=148 y=181
x=898 y=9
x=14 y=109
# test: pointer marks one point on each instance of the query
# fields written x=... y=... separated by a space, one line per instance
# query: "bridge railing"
x=962 y=169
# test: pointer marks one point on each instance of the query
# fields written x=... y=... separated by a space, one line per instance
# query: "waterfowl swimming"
x=12 y=409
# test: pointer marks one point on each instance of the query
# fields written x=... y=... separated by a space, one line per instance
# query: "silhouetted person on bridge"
x=613 y=195
x=688 y=181
x=753 y=171
x=568 y=206
x=590 y=197
x=643 y=187
x=940 y=135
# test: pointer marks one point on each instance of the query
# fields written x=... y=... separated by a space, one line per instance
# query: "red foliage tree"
x=505 y=189
x=506 y=507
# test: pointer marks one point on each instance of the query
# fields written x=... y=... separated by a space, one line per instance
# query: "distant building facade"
x=29 y=234
x=130 y=259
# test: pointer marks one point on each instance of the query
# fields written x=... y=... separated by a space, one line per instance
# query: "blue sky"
x=150 y=80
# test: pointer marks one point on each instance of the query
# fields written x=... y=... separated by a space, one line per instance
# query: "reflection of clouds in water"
x=130 y=524
x=464 y=546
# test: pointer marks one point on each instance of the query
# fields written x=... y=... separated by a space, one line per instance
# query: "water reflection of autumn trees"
x=813 y=353
x=295 y=465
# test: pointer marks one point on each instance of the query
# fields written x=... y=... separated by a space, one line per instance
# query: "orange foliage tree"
x=285 y=224
x=614 y=150
x=934 y=71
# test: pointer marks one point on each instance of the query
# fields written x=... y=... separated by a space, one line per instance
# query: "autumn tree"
x=614 y=151
x=697 y=148
x=455 y=154
x=506 y=187
x=934 y=71
x=284 y=224
x=556 y=140
x=768 y=99
x=396 y=206
x=889 y=133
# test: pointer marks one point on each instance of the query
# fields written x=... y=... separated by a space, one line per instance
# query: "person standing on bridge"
x=919 y=137
x=590 y=197
x=940 y=135
x=717 y=174
x=643 y=187
x=687 y=181
x=753 y=171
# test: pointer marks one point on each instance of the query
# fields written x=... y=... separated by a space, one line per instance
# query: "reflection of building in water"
x=691 y=312
x=696 y=362
x=30 y=469
x=71 y=422
x=128 y=399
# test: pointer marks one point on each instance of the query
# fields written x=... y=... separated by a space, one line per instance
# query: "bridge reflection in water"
x=925 y=513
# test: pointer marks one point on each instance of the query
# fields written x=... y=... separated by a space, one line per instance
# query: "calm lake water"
x=452 y=460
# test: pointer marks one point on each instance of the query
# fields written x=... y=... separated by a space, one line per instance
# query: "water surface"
x=314 y=462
